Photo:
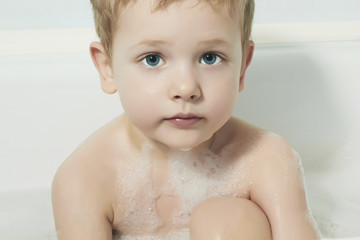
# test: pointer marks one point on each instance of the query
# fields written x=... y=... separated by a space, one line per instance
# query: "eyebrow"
x=152 y=43
x=214 y=42
x=205 y=43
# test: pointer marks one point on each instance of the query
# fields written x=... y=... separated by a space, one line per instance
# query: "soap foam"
x=198 y=178
x=177 y=235
x=194 y=178
x=135 y=195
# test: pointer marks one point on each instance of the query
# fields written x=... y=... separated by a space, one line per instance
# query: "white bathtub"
x=307 y=92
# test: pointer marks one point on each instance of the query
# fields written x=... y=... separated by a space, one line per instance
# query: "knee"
x=229 y=218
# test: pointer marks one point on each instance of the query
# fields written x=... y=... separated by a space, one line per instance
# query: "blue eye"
x=153 y=60
x=210 y=59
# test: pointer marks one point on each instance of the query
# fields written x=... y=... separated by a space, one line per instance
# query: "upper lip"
x=183 y=116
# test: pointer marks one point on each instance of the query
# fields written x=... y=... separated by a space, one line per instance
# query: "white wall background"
x=279 y=11
x=40 y=14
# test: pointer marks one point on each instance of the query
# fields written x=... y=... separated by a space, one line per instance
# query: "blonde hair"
x=106 y=13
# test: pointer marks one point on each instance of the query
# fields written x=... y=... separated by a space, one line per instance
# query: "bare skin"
x=85 y=196
x=229 y=218
x=177 y=152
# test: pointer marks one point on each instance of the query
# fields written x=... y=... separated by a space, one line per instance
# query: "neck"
x=138 y=139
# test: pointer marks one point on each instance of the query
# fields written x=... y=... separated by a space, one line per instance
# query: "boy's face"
x=177 y=70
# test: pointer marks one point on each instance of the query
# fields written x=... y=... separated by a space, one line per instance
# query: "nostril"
x=186 y=98
x=192 y=97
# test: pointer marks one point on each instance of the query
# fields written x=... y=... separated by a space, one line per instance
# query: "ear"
x=103 y=66
x=247 y=57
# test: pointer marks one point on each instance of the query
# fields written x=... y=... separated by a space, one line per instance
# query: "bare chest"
x=159 y=197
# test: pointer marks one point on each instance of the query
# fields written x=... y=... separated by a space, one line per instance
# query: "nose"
x=184 y=86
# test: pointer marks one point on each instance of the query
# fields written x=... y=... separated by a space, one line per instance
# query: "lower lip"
x=183 y=122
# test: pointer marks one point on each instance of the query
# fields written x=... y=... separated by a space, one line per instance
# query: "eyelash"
x=218 y=58
x=146 y=59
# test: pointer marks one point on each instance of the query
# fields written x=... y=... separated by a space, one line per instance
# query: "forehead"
x=142 y=15
x=231 y=7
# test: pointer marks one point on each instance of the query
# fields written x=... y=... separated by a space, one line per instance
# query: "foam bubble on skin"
x=291 y=161
x=309 y=215
x=196 y=179
x=191 y=184
x=177 y=235
x=299 y=166
x=136 y=197
x=292 y=171
x=288 y=159
x=311 y=220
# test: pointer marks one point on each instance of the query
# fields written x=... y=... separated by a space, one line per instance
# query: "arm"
x=279 y=190
x=79 y=205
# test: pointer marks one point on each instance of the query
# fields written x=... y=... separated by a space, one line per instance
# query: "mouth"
x=184 y=120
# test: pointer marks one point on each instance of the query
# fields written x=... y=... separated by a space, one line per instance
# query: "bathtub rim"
x=73 y=40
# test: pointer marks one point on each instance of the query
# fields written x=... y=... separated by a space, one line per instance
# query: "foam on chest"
x=186 y=178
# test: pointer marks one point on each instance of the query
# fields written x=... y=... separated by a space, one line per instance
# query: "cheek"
x=225 y=103
x=138 y=101
x=140 y=110
x=224 y=94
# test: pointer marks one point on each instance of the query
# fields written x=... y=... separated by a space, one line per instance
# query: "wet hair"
x=106 y=13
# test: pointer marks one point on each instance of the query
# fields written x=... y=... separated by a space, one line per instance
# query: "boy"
x=176 y=164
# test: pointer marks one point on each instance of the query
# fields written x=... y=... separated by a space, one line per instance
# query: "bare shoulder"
x=95 y=156
x=272 y=156
x=83 y=185
x=256 y=140
x=93 y=162
x=267 y=145
x=275 y=157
